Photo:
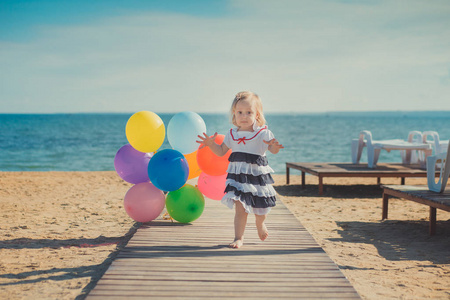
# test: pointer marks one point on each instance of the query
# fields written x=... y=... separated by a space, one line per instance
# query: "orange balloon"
x=194 y=169
x=210 y=163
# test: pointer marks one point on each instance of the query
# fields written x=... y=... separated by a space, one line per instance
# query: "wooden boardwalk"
x=178 y=261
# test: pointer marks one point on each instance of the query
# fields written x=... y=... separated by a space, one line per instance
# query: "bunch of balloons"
x=154 y=172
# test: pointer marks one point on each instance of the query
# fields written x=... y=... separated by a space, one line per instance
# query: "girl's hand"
x=206 y=140
x=274 y=146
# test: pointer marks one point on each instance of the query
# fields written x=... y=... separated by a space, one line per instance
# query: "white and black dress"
x=249 y=180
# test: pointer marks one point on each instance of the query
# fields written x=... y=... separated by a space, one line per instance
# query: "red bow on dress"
x=241 y=140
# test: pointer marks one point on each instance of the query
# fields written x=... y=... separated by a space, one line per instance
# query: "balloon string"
x=166 y=216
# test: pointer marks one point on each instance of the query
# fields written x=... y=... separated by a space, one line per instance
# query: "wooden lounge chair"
x=433 y=195
x=374 y=147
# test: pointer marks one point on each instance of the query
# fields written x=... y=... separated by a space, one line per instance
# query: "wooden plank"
x=230 y=294
x=230 y=268
x=111 y=283
x=249 y=289
x=218 y=276
x=192 y=261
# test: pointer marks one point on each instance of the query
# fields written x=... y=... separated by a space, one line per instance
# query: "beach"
x=61 y=230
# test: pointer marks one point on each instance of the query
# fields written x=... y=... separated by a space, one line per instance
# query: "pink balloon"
x=212 y=187
x=144 y=202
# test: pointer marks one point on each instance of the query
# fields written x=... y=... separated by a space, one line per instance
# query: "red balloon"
x=210 y=163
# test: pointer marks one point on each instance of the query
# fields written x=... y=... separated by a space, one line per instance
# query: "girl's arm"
x=207 y=141
x=274 y=146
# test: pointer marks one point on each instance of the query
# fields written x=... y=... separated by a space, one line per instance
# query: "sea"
x=90 y=141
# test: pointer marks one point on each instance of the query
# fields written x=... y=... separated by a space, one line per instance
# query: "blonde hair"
x=254 y=100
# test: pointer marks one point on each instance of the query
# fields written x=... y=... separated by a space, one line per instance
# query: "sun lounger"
x=420 y=194
x=374 y=147
x=323 y=170
x=434 y=195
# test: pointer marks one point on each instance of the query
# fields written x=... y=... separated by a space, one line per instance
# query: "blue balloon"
x=168 y=170
x=183 y=130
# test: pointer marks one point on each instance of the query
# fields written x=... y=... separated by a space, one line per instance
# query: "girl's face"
x=245 y=115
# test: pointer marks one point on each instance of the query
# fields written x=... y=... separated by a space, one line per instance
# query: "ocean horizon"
x=89 y=141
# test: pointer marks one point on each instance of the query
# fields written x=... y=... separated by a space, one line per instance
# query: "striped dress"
x=249 y=180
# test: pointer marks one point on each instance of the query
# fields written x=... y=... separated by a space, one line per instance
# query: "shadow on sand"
x=59 y=274
x=400 y=240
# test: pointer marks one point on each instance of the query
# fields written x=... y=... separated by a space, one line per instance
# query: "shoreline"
x=62 y=229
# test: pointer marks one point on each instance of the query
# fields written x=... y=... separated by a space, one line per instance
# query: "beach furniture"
x=322 y=170
x=374 y=147
x=433 y=195
x=438 y=145
x=420 y=194
x=440 y=160
x=165 y=260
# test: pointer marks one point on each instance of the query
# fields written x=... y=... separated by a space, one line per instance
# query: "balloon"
x=131 y=165
x=212 y=187
x=183 y=130
x=145 y=131
x=168 y=170
x=186 y=204
x=144 y=202
x=210 y=163
x=194 y=170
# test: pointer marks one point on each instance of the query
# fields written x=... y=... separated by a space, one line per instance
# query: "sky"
x=60 y=56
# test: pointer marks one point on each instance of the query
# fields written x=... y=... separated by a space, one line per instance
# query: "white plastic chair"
x=439 y=146
x=374 y=147
x=444 y=166
x=414 y=156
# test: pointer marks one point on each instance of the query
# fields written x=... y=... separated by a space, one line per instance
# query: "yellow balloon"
x=194 y=169
x=145 y=131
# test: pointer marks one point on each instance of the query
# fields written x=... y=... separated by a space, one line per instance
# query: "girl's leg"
x=240 y=221
x=262 y=229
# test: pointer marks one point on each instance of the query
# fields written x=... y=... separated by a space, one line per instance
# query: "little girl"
x=249 y=183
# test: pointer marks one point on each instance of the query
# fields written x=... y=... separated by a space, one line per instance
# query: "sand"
x=61 y=230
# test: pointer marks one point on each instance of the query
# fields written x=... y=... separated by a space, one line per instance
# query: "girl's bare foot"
x=262 y=231
x=237 y=243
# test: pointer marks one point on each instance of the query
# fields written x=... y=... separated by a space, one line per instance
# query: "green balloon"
x=185 y=204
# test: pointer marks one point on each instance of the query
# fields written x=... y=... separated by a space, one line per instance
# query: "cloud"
x=298 y=56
